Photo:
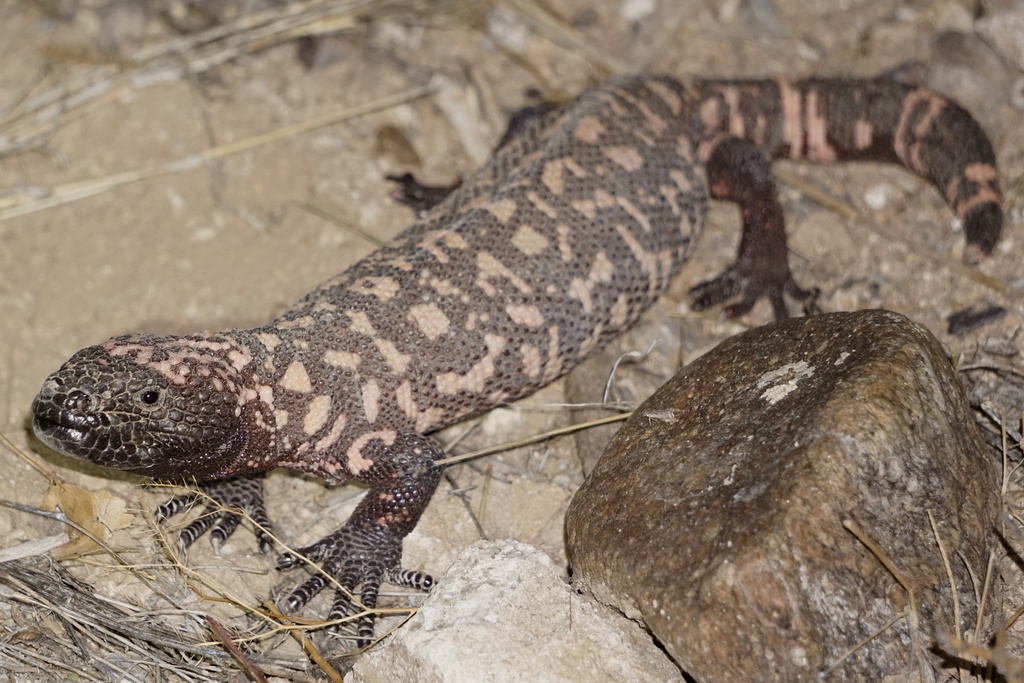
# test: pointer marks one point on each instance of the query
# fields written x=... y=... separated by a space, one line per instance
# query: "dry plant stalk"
x=18 y=205
x=31 y=119
x=63 y=625
x=910 y=614
x=451 y=460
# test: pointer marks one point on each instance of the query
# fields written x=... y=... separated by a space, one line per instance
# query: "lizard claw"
x=353 y=557
x=228 y=500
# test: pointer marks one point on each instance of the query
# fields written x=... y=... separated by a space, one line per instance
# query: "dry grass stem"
x=30 y=120
x=863 y=643
x=19 y=205
x=305 y=643
x=544 y=21
x=1010 y=669
x=532 y=439
x=912 y=616
x=957 y=629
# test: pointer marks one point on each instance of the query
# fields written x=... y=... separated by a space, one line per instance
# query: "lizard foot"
x=228 y=500
x=417 y=196
x=354 y=557
x=750 y=284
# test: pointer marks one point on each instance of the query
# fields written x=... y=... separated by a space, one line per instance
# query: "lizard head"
x=170 y=407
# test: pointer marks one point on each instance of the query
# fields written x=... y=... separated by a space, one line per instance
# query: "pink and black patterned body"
x=575 y=226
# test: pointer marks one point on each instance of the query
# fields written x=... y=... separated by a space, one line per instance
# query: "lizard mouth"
x=85 y=436
x=63 y=431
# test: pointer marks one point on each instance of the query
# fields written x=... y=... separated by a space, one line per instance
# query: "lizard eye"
x=149 y=396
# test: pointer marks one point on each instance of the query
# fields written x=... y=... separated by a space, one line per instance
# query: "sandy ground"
x=234 y=241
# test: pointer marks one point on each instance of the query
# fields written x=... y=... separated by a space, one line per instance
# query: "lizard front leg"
x=227 y=501
x=367 y=550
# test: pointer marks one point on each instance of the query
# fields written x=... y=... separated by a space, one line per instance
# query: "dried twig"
x=532 y=439
x=18 y=205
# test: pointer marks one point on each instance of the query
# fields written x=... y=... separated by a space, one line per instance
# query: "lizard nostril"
x=78 y=400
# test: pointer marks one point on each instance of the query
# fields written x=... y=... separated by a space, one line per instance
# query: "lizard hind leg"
x=740 y=172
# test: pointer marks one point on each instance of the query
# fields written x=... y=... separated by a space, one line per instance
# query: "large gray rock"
x=503 y=613
x=717 y=512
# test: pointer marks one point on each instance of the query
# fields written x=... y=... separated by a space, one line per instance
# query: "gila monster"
x=576 y=224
